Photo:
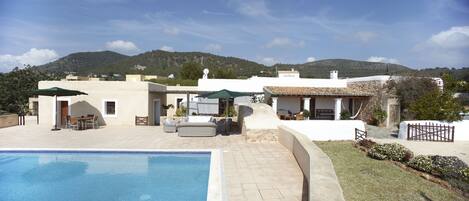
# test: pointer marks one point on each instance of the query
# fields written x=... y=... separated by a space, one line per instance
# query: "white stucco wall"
x=322 y=130
x=256 y=84
x=461 y=128
x=291 y=104
x=132 y=99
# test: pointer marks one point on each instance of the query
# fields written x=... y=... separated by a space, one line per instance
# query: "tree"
x=17 y=86
x=191 y=71
x=409 y=90
x=437 y=105
x=225 y=73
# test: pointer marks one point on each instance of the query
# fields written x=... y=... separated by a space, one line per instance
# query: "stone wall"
x=381 y=96
x=316 y=166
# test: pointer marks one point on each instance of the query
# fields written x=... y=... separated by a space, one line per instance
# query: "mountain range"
x=164 y=63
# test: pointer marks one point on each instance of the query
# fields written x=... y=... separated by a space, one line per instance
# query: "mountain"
x=82 y=62
x=164 y=63
x=346 y=68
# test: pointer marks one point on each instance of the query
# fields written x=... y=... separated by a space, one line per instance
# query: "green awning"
x=56 y=91
x=224 y=94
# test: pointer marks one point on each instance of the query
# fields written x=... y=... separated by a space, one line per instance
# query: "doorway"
x=63 y=113
x=156 y=112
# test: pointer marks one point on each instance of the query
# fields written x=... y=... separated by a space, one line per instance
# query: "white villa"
x=120 y=102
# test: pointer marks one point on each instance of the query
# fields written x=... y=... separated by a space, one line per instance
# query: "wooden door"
x=63 y=112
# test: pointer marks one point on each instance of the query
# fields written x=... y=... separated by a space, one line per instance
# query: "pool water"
x=104 y=176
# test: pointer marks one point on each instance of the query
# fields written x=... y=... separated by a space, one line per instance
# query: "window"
x=109 y=108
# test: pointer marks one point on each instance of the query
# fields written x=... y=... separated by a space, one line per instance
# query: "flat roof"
x=316 y=91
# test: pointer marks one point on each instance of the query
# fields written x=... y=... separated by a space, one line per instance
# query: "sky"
x=417 y=33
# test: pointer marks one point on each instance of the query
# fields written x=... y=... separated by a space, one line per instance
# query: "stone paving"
x=252 y=171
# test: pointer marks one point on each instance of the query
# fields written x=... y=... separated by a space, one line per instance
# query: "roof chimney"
x=334 y=74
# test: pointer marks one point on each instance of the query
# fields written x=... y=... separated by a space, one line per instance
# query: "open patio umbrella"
x=56 y=91
x=224 y=94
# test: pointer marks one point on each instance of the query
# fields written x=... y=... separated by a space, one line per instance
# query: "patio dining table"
x=82 y=122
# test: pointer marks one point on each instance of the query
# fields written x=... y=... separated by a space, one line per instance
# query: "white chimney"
x=334 y=75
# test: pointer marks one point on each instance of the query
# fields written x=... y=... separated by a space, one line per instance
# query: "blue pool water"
x=104 y=176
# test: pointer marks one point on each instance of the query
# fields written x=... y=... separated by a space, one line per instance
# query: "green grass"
x=363 y=178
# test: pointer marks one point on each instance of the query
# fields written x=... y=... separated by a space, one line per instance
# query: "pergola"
x=306 y=93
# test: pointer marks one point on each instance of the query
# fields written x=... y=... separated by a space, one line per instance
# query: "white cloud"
x=32 y=57
x=121 y=46
x=383 y=60
x=365 y=36
x=167 y=48
x=284 y=42
x=171 y=31
x=213 y=47
x=251 y=8
x=310 y=59
x=455 y=37
x=448 y=48
x=269 y=61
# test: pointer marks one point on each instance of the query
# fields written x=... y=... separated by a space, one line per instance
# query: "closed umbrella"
x=224 y=94
x=56 y=91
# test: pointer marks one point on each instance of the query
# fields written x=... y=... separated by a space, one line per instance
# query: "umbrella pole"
x=227 y=105
x=56 y=128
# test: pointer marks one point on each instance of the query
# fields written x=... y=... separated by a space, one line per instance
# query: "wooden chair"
x=73 y=123
x=93 y=123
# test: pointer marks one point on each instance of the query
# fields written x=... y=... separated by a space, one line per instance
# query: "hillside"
x=346 y=68
x=83 y=62
x=164 y=63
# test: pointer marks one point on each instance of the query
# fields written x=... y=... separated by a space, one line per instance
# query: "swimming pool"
x=104 y=175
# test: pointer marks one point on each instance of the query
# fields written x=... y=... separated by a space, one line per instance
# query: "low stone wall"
x=317 y=168
x=323 y=130
x=258 y=122
x=8 y=120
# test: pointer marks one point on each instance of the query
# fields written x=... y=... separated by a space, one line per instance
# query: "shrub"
x=422 y=163
x=448 y=166
x=465 y=174
x=367 y=143
x=306 y=113
x=394 y=151
x=345 y=115
x=379 y=115
x=373 y=153
x=181 y=111
x=231 y=112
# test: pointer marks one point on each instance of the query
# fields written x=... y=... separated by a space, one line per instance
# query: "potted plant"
x=306 y=114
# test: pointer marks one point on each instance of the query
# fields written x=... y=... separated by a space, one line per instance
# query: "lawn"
x=363 y=178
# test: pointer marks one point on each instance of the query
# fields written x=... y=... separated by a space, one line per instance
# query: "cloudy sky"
x=417 y=33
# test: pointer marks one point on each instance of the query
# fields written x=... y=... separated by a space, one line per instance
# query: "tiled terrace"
x=253 y=171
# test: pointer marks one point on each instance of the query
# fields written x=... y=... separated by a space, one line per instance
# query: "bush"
x=379 y=115
x=306 y=114
x=448 y=166
x=231 y=112
x=367 y=143
x=422 y=163
x=181 y=111
x=373 y=153
x=394 y=151
x=345 y=115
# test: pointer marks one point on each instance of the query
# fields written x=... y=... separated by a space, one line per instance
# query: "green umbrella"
x=224 y=94
x=56 y=91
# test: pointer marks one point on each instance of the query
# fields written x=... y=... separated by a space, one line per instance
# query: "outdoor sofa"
x=197 y=129
x=197 y=126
